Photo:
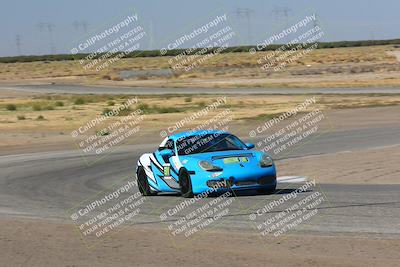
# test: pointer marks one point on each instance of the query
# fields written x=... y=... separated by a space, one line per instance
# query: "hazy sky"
x=46 y=26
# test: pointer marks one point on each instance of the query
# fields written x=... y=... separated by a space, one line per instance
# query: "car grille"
x=244 y=183
x=227 y=183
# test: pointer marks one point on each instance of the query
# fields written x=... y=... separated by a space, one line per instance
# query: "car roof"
x=194 y=133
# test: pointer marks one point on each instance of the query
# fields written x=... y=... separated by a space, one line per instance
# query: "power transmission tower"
x=246 y=13
x=281 y=12
x=78 y=24
x=151 y=36
x=372 y=34
x=84 y=26
x=18 y=44
x=41 y=26
x=316 y=22
x=281 y=15
x=286 y=12
x=50 y=26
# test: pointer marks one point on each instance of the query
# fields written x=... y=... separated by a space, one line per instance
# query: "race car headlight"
x=266 y=161
x=208 y=166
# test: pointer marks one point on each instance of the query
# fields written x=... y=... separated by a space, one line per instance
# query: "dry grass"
x=50 y=129
x=323 y=67
x=71 y=116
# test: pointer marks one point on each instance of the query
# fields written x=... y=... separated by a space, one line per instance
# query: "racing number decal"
x=244 y=159
x=167 y=170
x=235 y=160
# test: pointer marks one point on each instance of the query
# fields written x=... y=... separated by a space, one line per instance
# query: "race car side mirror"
x=166 y=153
x=249 y=145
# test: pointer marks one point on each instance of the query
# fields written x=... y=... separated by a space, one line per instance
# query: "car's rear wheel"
x=143 y=184
x=186 y=184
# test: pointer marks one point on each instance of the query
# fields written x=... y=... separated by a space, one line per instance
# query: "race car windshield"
x=208 y=143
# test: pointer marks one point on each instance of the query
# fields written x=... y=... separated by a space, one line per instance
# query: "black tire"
x=143 y=183
x=267 y=191
x=186 y=184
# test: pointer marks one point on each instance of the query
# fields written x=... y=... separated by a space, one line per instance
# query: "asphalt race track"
x=47 y=185
x=79 y=89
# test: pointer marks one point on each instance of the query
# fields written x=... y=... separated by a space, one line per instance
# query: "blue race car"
x=196 y=162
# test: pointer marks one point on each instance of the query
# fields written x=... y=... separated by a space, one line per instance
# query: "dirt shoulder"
x=26 y=242
x=369 y=166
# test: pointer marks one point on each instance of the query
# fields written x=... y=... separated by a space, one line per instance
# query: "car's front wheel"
x=186 y=184
x=143 y=184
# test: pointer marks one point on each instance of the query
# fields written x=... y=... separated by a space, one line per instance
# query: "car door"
x=165 y=172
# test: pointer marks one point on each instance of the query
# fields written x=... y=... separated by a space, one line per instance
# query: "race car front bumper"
x=260 y=178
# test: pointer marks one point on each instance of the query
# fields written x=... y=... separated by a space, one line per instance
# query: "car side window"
x=168 y=145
